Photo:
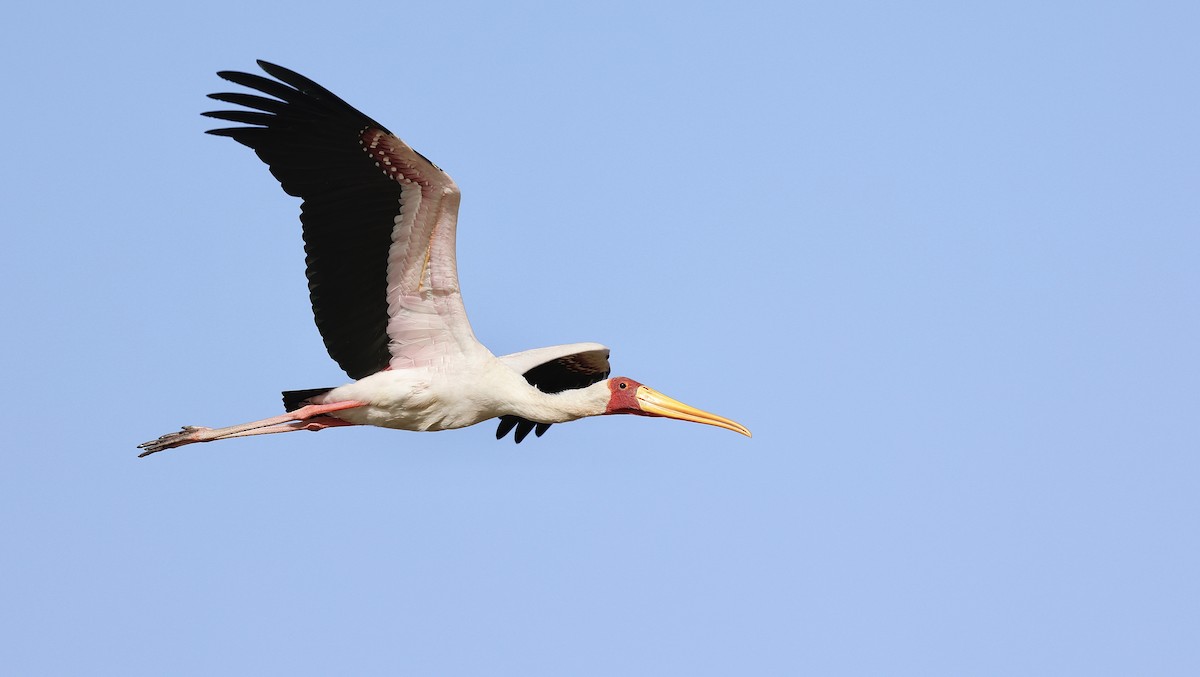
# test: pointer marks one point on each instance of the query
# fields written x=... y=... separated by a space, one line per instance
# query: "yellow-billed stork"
x=379 y=221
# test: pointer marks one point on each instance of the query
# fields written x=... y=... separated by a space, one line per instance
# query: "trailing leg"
x=294 y=420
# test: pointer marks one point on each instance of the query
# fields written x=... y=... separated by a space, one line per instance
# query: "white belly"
x=419 y=399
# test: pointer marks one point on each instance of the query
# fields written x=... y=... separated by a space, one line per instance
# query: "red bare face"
x=627 y=396
x=623 y=399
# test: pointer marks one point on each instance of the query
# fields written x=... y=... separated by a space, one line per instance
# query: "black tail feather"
x=294 y=399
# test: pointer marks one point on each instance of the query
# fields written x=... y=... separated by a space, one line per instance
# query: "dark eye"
x=622 y=385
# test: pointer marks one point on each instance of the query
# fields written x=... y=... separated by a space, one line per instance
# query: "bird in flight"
x=379 y=234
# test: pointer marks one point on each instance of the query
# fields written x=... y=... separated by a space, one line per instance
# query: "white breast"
x=425 y=399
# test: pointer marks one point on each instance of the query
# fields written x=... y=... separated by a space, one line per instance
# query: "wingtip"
x=270 y=68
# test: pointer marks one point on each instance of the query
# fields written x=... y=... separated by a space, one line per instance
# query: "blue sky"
x=940 y=258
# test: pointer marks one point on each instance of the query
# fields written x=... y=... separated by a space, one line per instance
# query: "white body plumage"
x=427 y=399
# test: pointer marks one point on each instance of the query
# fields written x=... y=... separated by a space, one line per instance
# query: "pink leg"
x=294 y=420
x=313 y=425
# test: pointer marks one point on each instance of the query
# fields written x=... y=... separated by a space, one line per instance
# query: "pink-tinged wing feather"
x=427 y=324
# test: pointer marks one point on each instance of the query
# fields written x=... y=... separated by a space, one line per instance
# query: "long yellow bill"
x=653 y=402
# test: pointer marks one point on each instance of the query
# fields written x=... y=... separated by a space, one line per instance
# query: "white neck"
x=569 y=405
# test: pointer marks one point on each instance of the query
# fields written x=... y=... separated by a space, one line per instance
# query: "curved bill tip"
x=656 y=404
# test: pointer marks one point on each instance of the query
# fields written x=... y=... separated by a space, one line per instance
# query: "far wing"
x=552 y=370
x=379 y=223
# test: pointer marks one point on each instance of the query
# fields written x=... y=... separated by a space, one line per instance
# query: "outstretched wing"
x=553 y=370
x=379 y=223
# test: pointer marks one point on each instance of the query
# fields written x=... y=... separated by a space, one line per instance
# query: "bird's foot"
x=186 y=435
